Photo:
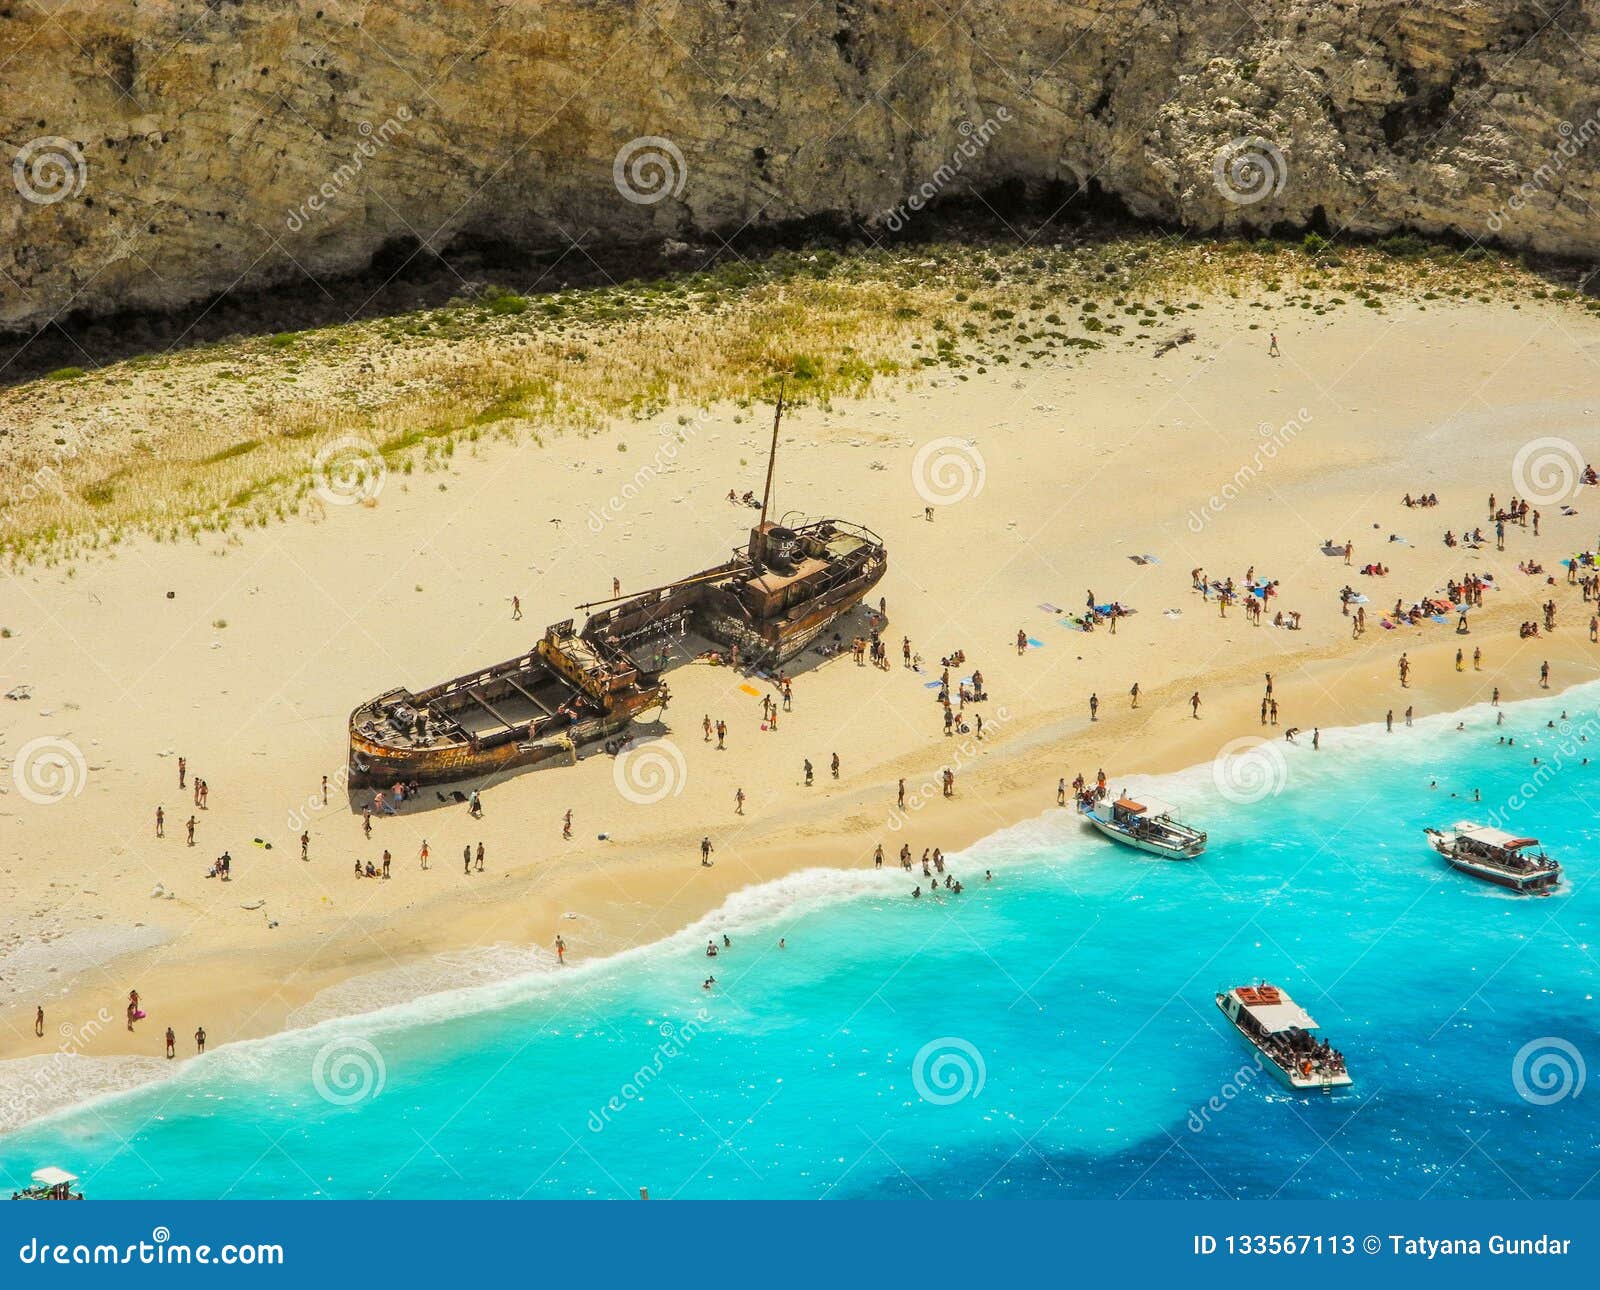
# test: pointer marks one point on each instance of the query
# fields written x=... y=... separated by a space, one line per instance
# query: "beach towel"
x=1438 y=618
x=1050 y=609
x=1386 y=624
x=751 y=690
x=931 y=685
x=1035 y=644
x=1071 y=624
x=1358 y=600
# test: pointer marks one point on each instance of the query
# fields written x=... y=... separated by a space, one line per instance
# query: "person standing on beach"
x=1094 y=707
x=183 y=769
x=1477 y=660
x=738 y=801
x=877 y=856
x=808 y=772
x=834 y=765
x=722 y=733
x=1461 y=660
x=466 y=859
x=200 y=1038
x=516 y=609
x=1409 y=711
x=1388 y=721
x=1544 y=675
x=705 y=851
x=1316 y=738
x=1194 y=704
x=566 y=825
x=1272 y=711
x=422 y=855
x=172 y=1044
x=705 y=724
x=38 y=1021
x=1494 y=699
x=1134 y=694
x=190 y=827
x=161 y=823
x=480 y=858
x=1264 y=703
x=324 y=790
x=386 y=859
x=1405 y=671
x=1022 y=642
x=900 y=796
x=305 y=845
x=1272 y=345
x=366 y=821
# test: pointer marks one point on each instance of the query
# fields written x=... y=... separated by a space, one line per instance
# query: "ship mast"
x=772 y=460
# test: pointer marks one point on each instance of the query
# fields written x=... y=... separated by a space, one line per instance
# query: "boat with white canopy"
x=1284 y=1034
x=1496 y=856
x=1145 y=823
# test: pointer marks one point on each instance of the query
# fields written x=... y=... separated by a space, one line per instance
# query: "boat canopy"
x=50 y=1176
x=1278 y=1017
x=1151 y=806
x=1494 y=837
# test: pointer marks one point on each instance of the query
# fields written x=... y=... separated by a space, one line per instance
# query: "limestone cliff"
x=169 y=149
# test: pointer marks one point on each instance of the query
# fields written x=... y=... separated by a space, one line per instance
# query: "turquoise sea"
x=1049 y=1033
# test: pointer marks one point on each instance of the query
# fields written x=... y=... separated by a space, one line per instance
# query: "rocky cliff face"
x=170 y=149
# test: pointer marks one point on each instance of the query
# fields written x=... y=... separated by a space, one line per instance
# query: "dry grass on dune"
x=231 y=434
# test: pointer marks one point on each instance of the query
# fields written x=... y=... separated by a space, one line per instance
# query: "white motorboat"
x=1285 y=1035
x=1496 y=856
x=1146 y=824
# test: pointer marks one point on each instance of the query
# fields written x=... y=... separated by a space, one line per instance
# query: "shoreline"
x=789 y=894
x=246 y=653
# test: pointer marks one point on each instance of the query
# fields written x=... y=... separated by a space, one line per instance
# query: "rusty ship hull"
x=773 y=600
x=538 y=707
